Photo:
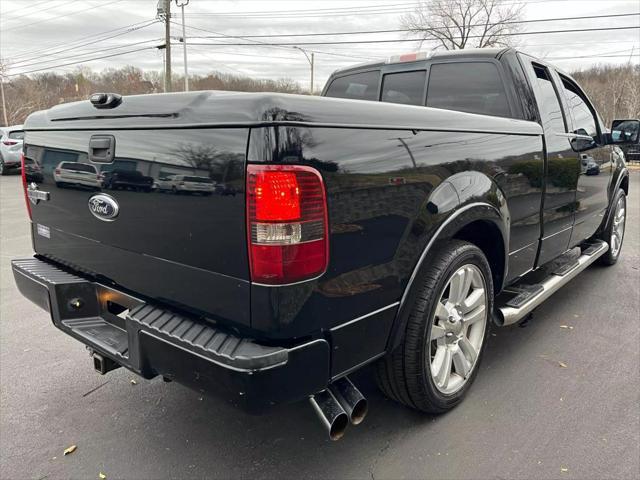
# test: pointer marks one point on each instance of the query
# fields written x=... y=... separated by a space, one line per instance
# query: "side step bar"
x=510 y=314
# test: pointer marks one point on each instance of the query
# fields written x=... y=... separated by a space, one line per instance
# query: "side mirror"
x=625 y=132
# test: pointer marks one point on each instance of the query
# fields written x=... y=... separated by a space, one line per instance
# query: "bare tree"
x=458 y=24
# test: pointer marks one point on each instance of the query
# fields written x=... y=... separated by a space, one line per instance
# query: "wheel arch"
x=621 y=182
x=483 y=224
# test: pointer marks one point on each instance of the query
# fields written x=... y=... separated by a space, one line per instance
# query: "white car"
x=10 y=148
x=192 y=184
x=75 y=173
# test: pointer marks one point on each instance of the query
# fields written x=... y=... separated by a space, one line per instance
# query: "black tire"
x=404 y=374
x=2 y=168
x=611 y=257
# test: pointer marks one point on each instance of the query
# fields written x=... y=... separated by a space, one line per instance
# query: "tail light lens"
x=287 y=223
x=24 y=184
x=9 y=142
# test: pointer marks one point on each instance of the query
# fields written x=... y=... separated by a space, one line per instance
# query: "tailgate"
x=184 y=248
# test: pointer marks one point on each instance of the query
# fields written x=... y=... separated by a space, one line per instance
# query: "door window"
x=474 y=87
x=549 y=104
x=404 y=87
x=584 y=119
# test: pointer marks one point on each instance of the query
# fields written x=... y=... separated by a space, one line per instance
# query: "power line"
x=258 y=43
x=92 y=52
x=33 y=5
x=80 y=61
x=345 y=42
x=63 y=15
x=409 y=30
x=80 y=39
x=30 y=13
x=74 y=47
x=335 y=11
x=311 y=11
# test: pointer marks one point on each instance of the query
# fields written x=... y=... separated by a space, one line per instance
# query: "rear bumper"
x=12 y=161
x=153 y=341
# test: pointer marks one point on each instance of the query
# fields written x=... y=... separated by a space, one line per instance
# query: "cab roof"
x=423 y=56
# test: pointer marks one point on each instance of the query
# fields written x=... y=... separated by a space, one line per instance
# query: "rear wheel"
x=2 y=167
x=445 y=334
x=614 y=233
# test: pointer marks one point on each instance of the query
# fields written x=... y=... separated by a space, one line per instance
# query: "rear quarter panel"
x=388 y=192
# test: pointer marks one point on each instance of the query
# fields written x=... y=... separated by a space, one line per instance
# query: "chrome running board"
x=510 y=314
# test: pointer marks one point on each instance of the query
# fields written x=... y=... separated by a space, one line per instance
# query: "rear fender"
x=459 y=201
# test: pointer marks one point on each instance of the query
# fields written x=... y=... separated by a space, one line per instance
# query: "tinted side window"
x=404 y=87
x=360 y=86
x=549 y=105
x=474 y=87
x=583 y=117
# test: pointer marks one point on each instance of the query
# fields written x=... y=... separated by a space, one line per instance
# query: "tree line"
x=28 y=93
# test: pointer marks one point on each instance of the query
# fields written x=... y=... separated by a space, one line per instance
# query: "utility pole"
x=167 y=44
x=4 y=105
x=182 y=4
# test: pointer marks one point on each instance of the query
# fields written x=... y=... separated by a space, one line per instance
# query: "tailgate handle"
x=102 y=148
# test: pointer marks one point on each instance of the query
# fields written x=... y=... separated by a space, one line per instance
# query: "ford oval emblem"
x=104 y=207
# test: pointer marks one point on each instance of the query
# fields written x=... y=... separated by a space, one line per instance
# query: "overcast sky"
x=37 y=34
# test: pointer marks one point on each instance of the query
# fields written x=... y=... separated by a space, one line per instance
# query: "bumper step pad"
x=206 y=340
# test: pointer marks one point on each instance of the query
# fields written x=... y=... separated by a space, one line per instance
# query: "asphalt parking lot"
x=557 y=399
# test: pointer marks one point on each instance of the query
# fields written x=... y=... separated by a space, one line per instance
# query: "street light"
x=311 y=62
x=182 y=4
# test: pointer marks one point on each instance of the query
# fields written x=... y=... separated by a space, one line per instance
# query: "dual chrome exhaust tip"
x=337 y=406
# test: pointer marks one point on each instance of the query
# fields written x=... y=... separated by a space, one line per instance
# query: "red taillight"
x=9 y=142
x=24 y=184
x=57 y=171
x=286 y=223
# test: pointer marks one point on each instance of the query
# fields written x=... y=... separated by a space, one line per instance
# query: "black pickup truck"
x=393 y=220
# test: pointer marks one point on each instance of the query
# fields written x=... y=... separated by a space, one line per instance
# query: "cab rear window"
x=359 y=86
x=404 y=87
x=473 y=87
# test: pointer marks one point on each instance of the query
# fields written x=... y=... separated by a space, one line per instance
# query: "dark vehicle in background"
x=624 y=130
x=224 y=189
x=393 y=231
x=10 y=148
x=126 y=180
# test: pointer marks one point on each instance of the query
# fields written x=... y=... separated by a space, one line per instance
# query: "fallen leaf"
x=102 y=475
x=70 y=449
x=566 y=327
x=564 y=469
x=562 y=364
x=133 y=382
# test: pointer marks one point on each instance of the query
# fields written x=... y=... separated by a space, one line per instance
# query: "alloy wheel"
x=617 y=230
x=458 y=329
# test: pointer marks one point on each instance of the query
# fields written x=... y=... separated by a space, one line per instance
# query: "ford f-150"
x=393 y=221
